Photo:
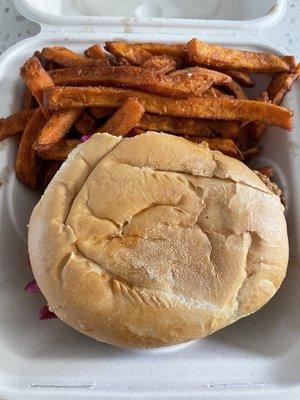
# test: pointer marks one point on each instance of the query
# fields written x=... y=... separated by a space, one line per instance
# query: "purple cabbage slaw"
x=44 y=312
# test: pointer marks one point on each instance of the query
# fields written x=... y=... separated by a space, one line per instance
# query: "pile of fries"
x=194 y=90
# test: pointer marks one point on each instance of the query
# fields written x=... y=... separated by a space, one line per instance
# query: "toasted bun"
x=153 y=240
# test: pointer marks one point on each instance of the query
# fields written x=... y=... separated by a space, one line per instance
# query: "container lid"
x=229 y=14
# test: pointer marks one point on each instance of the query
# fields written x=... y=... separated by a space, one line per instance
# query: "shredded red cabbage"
x=84 y=138
x=32 y=287
x=45 y=313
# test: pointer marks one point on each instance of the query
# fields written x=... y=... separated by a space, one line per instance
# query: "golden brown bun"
x=153 y=240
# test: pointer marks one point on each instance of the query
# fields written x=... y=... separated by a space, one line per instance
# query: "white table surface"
x=14 y=27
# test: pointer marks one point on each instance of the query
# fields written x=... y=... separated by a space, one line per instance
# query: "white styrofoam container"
x=257 y=357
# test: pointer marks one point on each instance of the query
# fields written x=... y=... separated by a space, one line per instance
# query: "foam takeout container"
x=257 y=357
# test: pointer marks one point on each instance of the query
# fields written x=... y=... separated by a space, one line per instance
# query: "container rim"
x=43 y=18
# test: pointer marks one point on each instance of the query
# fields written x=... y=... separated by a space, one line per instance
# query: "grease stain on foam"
x=4 y=175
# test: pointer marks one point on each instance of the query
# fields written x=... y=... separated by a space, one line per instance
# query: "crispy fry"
x=100 y=112
x=216 y=93
x=217 y=78
x=236 y=89
x=85 y=123
x=177 y=125
x=226 y=129
x=135 y=132
x=267 y=171
x=226 y=146
x=177 y=85
x=189 y=126
x=56 y=127
x=278 y=87
x=253 y=129
x=158 y=49
x=124 y=119
x=225 y=58
x=36 y=79
x=26 y=161
x=162 y=64
x=221 y=108
x=27 y=100
x=131 y=52
x=67 y=58
x=96 y=52
x=251 y=153
x=136 y=55
x=15 y=123
x=281 y=84
x=121 y=61
x=263 y=96
x=51 y=66
x=241 y=77
x=47 y=172
x=58 y=151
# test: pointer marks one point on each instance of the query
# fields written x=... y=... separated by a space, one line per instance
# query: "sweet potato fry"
x=162 y=64
x=277 y=89
x=26 y=161
x=56 y=127
x=241 y=77
x=135 y=132
x=251 y=153
x=67 y=58
x=131 y=52
x=58 y=151
x=217 y=78
x=176 y=85
x=281 y=84
x=226 y=146
x=225 y=58
x=176 y=125
x=121 y=61
x=47 y=172
x=51 y=66
x=226 y=129
x=27 y=100
x=263 y=96
x=158 y=49
x=216 y=93
x=136 y=55
x=100 y=112
x=85 y=123
x=15 y=123
x=96 y=52
x=236 y=89
x=58 y=124
x=36 y=79
x=124 y=119
x=253 y=129
x=267 y=171
x=189 y=126
x=195 y=107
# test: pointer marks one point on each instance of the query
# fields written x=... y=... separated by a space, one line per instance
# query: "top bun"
x=154 y=240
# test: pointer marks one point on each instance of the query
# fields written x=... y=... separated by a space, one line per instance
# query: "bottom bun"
x=153 y=240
